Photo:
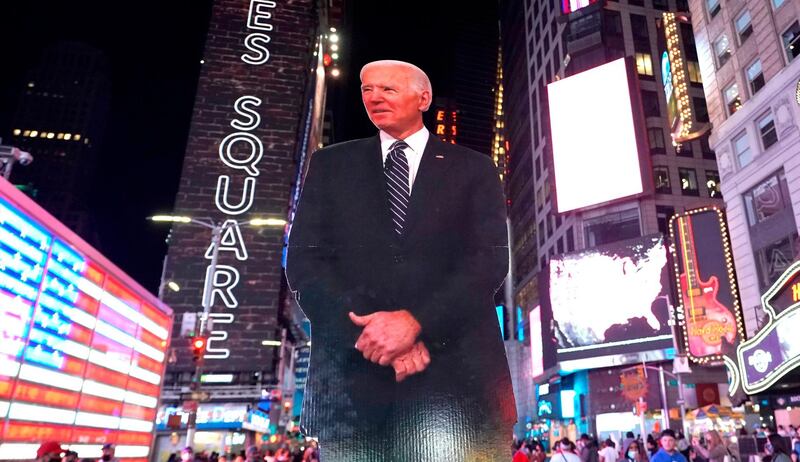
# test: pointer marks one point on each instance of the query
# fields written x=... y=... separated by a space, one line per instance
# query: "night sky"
x=155 y=48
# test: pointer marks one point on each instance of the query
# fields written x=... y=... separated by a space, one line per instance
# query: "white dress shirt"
x=416 y=146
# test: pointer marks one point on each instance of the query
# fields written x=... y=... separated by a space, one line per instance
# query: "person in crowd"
x=565 y=452
x=635 y=452
x=668 y=451
x=782 y=431
x=109 y=452
x=522 y=454
x=651 y=445
x=70 y=456
x=537 y=452
x=187 y=454
x=778 y=449
x=238 y=458
x=609 y=452
x=715 y=450
x=50 y=451
x=282 y=454
x=311 y=454
x=253 y=454
x=587 y=450
x=623 y=448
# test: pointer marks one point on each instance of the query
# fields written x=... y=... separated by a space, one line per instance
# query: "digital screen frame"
x=603 y=299
x=596 y=127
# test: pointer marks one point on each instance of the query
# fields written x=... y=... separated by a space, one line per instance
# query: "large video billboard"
x=611 y=302
x=82 y=345
x=595 y=148
x=709 y=311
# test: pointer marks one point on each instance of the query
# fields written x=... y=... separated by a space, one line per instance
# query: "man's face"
x=108 y=453
x=186 y=456
x=392 y=101
x=668 y=443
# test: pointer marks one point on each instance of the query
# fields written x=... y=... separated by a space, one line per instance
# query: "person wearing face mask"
x=634 y=453
x=50 y=451
x=108 y=453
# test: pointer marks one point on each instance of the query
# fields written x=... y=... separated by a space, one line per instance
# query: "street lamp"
x=216 y=228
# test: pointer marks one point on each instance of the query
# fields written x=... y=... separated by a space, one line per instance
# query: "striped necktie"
x=396 y=172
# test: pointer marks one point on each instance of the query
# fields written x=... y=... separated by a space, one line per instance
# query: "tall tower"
x=60 y=119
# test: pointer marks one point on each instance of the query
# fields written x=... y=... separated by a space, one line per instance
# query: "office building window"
x=650 y=104
x=661 y=179
x=744 y=26
x=660 y=5
x=775 y=258
x=767 y=199
x=741 y=148
x=712 y=184
x=640 y=32
x=766 y=129
x=656 y=138
x=636 y=2
x=700 y=109
x=549 y=226
x=663 y=214
x=612 y=22
x=693 y=69
x=612 y=227
x=644 y=64
x=708 y=153
x=541 y=234
x=732 y=100
x=688 y=182
x=713 y=7
x=755 y=77
x=570 y=240
x=777 y=3
x=560 y=245
x=558 y=221
x=682 y=5
x=722 y=48
x=685 y=149
x=790 y=41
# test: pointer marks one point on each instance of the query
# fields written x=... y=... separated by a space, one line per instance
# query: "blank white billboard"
x=595 y=153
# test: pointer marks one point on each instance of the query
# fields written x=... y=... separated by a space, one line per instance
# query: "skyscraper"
x=60 y=118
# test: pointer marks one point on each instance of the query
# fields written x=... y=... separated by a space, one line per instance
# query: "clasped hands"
x=390 y=338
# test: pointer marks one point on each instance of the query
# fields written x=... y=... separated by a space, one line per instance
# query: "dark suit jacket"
x=344 y=256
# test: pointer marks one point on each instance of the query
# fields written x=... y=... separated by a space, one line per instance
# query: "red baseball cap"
x=49 y=446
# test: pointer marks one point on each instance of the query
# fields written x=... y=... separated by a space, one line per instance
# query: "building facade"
x=61 y=116
x=563 y=39
x=747 y=52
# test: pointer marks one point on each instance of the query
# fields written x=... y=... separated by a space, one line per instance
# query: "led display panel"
x=83 y=346
x=611 y=301
x=595 y=148
x=709 y=313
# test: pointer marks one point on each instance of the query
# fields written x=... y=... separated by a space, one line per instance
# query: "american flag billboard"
x=82 y=345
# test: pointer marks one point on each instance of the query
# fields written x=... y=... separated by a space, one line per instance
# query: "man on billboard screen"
x=396 y=250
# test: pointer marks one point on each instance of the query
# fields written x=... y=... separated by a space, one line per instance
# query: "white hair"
x=420 y=80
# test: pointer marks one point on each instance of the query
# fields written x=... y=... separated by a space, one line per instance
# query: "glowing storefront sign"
x=709 y=312
x=82 y=349
x=677 y=90
x=775 y=349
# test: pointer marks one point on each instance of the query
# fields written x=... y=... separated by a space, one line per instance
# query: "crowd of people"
x=668 y=446
x=52 y=451
x=285 y=453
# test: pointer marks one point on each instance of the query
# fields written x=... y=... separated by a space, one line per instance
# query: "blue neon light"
x=25 y=228
x=44 y=356
x=64 y=254
x=500 y=320
x=520 y=325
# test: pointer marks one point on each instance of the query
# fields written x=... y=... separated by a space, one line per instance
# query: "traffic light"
x=198 y=348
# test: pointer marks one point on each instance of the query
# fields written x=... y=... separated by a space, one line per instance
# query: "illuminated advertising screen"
x=537 y=353
x=611 y=302
x=596 y=153
x=708 y=311
x=568 y=6
x=83 y=346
